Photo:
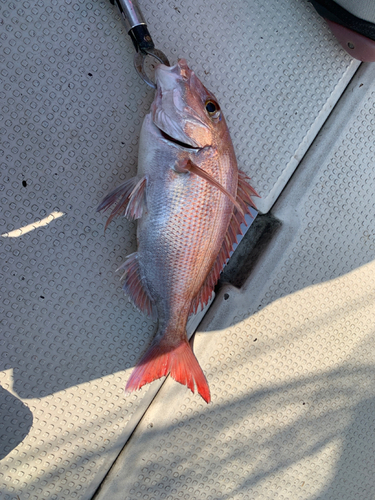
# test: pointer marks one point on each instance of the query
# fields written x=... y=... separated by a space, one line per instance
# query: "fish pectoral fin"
x=129 y=198
x=133 y=285
x=189 y=166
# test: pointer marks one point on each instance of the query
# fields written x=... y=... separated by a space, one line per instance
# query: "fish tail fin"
x=180 y=361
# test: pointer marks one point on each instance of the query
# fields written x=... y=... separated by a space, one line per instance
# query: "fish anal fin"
x=178 y=361
x=133 y=285
x=129 y=199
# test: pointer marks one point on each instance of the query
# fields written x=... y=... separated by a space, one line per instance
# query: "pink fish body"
x=189 y=199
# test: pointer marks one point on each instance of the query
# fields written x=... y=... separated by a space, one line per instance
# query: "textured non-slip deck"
x=71 y=108
x=290 y=358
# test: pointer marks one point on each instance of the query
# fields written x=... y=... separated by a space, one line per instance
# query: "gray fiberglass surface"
x=290 y=356
x=71 y=110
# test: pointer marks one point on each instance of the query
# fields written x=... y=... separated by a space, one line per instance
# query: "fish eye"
x=212 y=109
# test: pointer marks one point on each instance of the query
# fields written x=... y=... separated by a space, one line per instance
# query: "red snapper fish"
x=190 y=199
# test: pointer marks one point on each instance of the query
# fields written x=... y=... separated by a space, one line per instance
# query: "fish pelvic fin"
x=178 y=361
x=129 y=198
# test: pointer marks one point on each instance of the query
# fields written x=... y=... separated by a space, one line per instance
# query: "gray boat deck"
x=288 y=351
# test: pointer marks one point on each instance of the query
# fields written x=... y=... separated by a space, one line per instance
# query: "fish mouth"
x=169 y=112
x=169 y=127
x=178 y=143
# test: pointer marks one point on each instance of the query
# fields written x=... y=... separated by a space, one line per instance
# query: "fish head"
x=186 y=113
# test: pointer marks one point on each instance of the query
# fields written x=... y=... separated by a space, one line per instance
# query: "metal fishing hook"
x=136 y=27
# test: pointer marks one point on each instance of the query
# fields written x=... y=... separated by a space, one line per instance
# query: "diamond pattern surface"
x=71 y=107
x=290 y=357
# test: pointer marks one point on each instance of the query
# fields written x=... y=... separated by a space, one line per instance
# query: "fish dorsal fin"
x=244 y=193
x=129 y=197
x=133 y=285
x=189 y=166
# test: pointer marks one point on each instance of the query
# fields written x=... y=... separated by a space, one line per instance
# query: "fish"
x=189 y=199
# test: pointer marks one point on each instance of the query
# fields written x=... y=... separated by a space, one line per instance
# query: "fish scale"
x=190 y=199
x=187 y=238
